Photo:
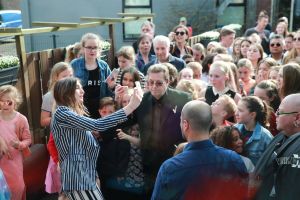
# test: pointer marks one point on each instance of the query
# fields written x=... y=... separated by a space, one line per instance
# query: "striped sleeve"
x=69 y=119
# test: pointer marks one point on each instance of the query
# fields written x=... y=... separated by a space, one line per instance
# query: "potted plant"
x=105 y=47
x=9 y=66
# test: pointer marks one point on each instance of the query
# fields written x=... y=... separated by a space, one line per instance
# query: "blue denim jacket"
x=81 y=72
x=257 y=143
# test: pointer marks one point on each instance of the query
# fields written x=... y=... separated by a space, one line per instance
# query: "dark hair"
x=271 y=91
x=208 y=60
x=144 y=36
x=181 y=26
x=133 y=71
x=291 y=79
x=222 y=136
x=64 y=94
x=255 y=104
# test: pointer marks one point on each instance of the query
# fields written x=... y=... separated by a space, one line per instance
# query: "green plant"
x=9 y=61
x=105 y=45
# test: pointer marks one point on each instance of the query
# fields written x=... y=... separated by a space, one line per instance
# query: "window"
x=237 y=7
x=131 y=30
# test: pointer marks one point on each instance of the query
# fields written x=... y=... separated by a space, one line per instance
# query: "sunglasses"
x=181 y=33
x=275 y=44
x=8 y=102
x=296 y=39
x=91 y=48
x=156 y=83
x=278 y=113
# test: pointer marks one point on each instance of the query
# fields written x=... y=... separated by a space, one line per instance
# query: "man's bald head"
x=293 y=100
x=198 y=114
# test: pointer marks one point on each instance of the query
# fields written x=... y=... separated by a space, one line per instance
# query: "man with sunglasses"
x=158 y=117
x=278 y=169
x=277 y=48
x=162 y=51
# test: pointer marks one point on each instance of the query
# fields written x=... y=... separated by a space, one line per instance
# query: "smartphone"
x=113 y=74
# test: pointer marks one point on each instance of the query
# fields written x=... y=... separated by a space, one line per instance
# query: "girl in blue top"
x=252 y=117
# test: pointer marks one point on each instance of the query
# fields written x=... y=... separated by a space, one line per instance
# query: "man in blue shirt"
x=203 y=170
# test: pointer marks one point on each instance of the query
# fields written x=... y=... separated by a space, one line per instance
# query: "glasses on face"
x=275 y=44
x=278 y=113
x=156 y=83
x=296 y=39
x=180 y=33
x=7 y=102
x=91 y=48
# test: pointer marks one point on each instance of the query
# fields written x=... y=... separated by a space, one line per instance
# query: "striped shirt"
x=77 y=147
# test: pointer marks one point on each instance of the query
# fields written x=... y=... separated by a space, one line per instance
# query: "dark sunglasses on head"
x=297 y=39
x=181 y=33
x=275 y=44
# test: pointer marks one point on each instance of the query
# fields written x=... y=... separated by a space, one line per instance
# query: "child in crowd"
x=187 y=86
x=188 y=58
x=15 y=132
x=264 y=68
x=273 y=74
x=128 y=185
x=245 y=73
x=198 y=52
x=52 y=182
x=197 y=69
x=223 y=109
x=267 y=91
x=106 y=106
x=219 y=79
x=252 y=117
x=229 y=138
x=186 y=74
x=255 y=55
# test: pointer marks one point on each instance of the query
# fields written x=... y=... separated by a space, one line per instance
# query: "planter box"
x=9 y=75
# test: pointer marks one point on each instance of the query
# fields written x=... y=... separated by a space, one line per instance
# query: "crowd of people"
x=170 y=121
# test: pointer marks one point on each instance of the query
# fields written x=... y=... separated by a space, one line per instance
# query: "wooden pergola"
x=47 y=27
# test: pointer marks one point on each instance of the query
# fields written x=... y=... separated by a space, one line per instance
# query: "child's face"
x=244 y=74
x=64 y=74
x=128 y=80
x=197 y=55
x=91 y=49
x=273 y=75
x=237 y=143
x=197 y=74
x=243 y=116
x=217 y=107
x=262 y=94
x=7 y=104
x=217 y=78
x=125 y=100
x=187 y=74
x=244 y=48
x=253 y=53
x=124 y=63
x=106 y=110
x=263 y=71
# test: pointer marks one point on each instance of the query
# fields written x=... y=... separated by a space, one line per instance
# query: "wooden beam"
x=141 y=15
x=55 y=24
x=101 y=19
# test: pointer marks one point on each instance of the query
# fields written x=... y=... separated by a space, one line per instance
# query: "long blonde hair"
x=56 y=70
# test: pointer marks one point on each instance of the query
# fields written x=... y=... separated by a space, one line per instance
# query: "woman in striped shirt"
x=77 y=147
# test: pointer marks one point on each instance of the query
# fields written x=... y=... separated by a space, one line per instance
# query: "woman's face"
x=91 y=49
x=297 y=41
x=242 y=114
x=128 y=80
x=145 y=46
x=244 y=48
x=280 y=79
x=180 y=35
x=237 y=143
x=124 y=63
x=64 y=74
x=273 y=75
x=237 y=47
x=79 y=93
x=244 y=74
x=263 y=72
x=217 y=78
x=280 y=28
x=253 y=53
x=262 y=94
